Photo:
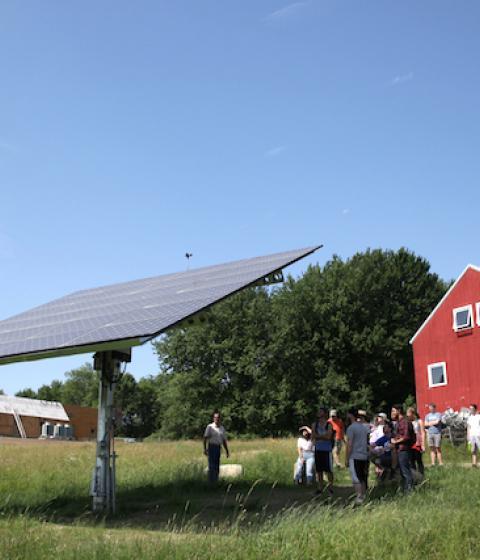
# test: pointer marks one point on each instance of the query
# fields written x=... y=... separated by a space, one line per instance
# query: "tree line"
x=268 y=357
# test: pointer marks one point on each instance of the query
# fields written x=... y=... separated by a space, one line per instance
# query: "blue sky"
x=131 y=132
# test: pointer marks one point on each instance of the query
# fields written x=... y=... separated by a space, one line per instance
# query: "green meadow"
x=167 y=510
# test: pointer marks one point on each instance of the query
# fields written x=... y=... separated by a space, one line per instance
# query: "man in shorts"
x=433 y=425
x=356 y=458
x=473 y=432
x=322 y=437
x=339 y=429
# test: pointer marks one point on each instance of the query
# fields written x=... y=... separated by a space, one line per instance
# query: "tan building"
x=84 y=421
x=31 y=418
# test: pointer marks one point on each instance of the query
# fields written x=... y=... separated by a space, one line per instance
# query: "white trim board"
x=447 y=293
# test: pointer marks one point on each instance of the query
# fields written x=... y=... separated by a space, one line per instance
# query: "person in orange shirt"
x=339 y=429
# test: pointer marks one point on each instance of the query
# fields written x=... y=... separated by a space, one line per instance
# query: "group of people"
x=319 y=450
x=394 y=444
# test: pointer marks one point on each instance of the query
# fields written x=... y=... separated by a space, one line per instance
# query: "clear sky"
x=132 y=132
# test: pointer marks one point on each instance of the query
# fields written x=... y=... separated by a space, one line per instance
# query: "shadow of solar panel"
x=130 y=313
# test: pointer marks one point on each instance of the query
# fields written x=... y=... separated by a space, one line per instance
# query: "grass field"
x=167 y=510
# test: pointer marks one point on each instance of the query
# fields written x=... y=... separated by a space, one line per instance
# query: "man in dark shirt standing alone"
x=402 y=444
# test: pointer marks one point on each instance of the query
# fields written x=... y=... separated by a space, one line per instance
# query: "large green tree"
x=80 y=387
x=267 y=358
x=336 y=336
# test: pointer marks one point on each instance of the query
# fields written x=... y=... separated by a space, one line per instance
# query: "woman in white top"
x=306 y=457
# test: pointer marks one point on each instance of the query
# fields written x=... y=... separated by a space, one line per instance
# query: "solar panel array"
x=130 y=312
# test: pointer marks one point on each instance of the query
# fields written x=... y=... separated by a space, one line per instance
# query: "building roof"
x=447 y=293
x=32 y=407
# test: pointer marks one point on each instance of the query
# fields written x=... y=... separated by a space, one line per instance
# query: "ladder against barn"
x=110 y=320
x=19 y=424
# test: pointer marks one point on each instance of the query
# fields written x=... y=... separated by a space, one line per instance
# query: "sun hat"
x=333 y=412
x=303 y=428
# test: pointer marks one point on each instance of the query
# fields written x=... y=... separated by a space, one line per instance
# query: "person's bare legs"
x=336 y=458
x=433 y=454
x=474 y=456
x=439 y=455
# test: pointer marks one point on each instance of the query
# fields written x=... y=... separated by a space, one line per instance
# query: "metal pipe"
x=103 y=490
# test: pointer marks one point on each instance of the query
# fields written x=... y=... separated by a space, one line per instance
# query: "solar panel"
x=130 y=313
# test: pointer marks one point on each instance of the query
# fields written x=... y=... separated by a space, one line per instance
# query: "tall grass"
x=167 y=510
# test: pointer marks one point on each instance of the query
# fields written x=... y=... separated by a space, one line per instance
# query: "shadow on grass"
x=195 y=505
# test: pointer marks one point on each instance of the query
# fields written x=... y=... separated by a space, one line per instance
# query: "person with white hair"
x=306 y=457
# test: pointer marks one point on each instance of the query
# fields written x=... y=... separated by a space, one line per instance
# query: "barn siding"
x=84 y=421
x=32 y=425
x=8 y=426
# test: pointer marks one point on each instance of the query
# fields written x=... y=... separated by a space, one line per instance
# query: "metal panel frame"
x=273 y=276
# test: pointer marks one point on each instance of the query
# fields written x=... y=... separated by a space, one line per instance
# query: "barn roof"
x=447 y=293
x=31 y=407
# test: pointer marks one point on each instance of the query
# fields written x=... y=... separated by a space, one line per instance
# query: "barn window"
x=437 y=374
x=463 y=318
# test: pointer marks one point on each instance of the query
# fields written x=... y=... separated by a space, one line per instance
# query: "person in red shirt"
x=339 y=429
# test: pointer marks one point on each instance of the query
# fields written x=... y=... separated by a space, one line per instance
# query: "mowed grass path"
x=167 y=510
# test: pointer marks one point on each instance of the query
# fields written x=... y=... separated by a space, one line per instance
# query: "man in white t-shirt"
x=356 y=458
x=214 y=437
x=473 y=432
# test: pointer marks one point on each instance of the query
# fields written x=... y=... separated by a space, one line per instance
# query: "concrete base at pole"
x=108 y=364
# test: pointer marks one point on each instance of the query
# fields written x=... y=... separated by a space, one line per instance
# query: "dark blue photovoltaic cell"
x=140 y=309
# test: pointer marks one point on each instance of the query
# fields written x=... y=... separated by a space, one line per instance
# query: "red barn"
x=446 y=348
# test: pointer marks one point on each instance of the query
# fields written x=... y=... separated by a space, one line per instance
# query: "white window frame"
x=430 y=367
x=469 y=308
x=477 y=305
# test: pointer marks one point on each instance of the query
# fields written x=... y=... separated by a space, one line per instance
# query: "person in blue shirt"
x=433 y=425
x=322 y=438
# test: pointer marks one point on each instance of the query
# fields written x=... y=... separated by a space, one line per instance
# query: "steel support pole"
x=108 y=364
